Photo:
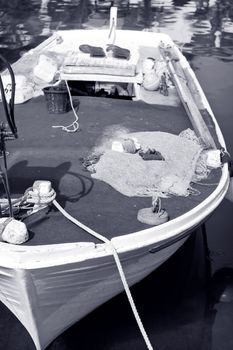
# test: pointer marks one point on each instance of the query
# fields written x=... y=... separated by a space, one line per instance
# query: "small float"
x=116 y=159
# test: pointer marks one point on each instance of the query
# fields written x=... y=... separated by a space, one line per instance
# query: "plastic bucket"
x=57 y=99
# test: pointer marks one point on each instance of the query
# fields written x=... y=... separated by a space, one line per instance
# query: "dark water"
x=187 y=304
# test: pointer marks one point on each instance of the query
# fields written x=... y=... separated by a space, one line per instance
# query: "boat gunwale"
x=30 y=257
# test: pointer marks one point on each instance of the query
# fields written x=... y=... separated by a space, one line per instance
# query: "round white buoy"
x=149 y=217
x=229 y=194
x=14 y=231
x=151 y=81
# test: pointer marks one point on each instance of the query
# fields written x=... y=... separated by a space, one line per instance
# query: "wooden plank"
x=189 y=104
x=193 y=89
x=102 y=77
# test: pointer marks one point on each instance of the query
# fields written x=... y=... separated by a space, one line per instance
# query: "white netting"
x=189 y=134
x=132 y=176
x=201 y=170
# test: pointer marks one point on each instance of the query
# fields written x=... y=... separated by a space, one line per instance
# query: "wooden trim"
x=187 y=99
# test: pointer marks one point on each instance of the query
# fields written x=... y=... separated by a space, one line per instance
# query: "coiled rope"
x=119 y=267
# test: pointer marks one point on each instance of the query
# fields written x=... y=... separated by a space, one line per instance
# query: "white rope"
x=32 y=199
x=119 y=267
x=73 y=127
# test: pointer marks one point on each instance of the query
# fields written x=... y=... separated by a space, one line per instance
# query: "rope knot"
x=40 y=193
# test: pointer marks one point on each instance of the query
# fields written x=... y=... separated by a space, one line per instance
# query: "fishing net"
x=131 y=175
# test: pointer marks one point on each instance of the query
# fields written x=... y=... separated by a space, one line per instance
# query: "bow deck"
x=45 y=153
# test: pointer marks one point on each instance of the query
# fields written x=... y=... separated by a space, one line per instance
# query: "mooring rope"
x=119 y=267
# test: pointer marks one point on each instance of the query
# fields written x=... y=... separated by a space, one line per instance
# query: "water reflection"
x=200 y=26
x=13 y=28
x=45 y=18
x=221 y=16
x=202 y=6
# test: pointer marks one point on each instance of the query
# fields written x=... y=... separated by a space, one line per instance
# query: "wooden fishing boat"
x=68 y=268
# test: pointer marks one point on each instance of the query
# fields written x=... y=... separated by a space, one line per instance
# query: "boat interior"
x=43 y=151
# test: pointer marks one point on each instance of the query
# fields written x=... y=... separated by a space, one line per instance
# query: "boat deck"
x=45 y=153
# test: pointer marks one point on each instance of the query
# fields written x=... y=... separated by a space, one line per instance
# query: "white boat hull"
x=49 y=300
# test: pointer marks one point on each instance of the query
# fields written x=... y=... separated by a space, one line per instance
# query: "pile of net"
x=131 y=175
